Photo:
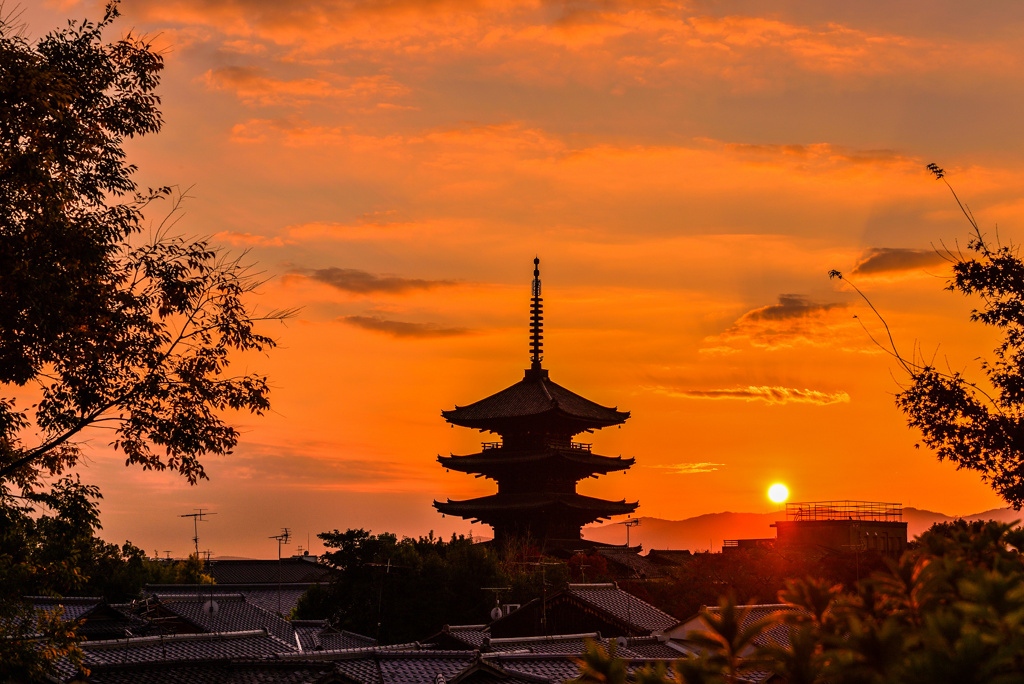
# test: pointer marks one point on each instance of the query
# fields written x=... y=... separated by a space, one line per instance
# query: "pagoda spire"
x=536 y=319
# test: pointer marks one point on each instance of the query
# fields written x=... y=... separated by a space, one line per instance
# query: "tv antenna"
x=282 y=538
x=632 y=522
x=199 y=515
x=542 y=564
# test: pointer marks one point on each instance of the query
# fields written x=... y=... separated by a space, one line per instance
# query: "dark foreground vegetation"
x=950 y=610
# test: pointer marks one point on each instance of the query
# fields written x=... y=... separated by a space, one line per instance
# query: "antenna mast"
x=282 y=538
x=196 y=517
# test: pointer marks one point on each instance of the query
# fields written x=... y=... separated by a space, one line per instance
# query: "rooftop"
x=532 y=397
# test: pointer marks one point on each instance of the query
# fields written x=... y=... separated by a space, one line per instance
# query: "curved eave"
x=535 y=398
x=494 y=460
x=554 y=415
x=498 y=504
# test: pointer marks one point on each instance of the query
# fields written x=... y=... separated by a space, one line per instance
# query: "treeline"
x=402 y=590
x=49 y=547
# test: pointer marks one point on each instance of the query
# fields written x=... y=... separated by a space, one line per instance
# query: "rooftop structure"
x=845 y=510
x=536 y=464
x=844 y=526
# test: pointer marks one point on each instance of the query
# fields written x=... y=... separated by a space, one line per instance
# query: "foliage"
x=977 y=428
x=950 y=610
x=69 y=103
x=48 y=548
x=753 y=575
x=401 y=590
x=105 y=333
x=101 y=327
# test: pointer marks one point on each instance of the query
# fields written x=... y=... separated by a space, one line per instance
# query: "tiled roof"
x=473 y=637
x=232 y=614
x=631 y=563
x=288 y=571
x=212 y=672
x=266 y=596
x=622 y=605
x=97 y=618
x=75 y=607
x=180 y=647
x=534 y=395
x=332 y=640
x=552 y=668
x=669 y=556
x=317 y=635
x=653 y=647
x=565 y=644
x=777 y=633
x=422 y=667
x=307 y=632
x=363 y=670
x=558 y=668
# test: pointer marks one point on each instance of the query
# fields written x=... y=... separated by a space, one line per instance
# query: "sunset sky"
x=687 y=172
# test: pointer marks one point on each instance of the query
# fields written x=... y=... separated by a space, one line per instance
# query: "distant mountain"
x=709 y=530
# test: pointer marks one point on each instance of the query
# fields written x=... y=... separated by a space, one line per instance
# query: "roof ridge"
x=548 y=638
x=109 y=644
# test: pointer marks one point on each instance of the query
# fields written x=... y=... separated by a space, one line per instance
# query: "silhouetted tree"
x=980 y=428
x=99 y=326
x=403 y=590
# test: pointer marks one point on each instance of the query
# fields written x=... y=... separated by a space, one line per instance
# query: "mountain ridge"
x=708 y=530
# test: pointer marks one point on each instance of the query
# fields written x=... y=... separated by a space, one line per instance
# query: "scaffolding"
x=845 y=510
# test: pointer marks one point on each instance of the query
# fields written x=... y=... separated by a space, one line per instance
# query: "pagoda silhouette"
x=536 y=464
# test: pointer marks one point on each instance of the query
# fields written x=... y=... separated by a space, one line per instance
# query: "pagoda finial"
x=536 y=319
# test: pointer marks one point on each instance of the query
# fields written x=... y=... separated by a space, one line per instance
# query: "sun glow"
x=778 y=492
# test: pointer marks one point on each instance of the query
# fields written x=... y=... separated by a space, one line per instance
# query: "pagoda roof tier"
x=541 y=401
x=492 y=508
x=492 y=461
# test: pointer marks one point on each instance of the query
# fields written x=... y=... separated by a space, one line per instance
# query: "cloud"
x=314 y=465
x=793 y=321
x=688 y=468
x=239 y=239
x=363 y=282
x=255 y=86
x=402 y=328
x=770 y=395
x=790 y=306
x=889 y=260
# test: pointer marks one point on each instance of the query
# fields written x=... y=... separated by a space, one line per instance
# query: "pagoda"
x=536 y=463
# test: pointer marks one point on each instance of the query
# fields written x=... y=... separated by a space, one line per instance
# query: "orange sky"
x=688 y=172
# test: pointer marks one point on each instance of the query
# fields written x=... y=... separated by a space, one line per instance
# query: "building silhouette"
x=536 y=464
x=836 y=526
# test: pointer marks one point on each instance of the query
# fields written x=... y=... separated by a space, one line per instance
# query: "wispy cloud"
x=364 y=282
x=793 y=321
x=688 y=468
x=403 y=328
x=790 y=306
x=767 y=394
x=890 y=260
x=255 y=86
x=239 y=239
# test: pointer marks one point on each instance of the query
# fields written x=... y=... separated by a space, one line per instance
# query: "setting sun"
x=778 y=493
